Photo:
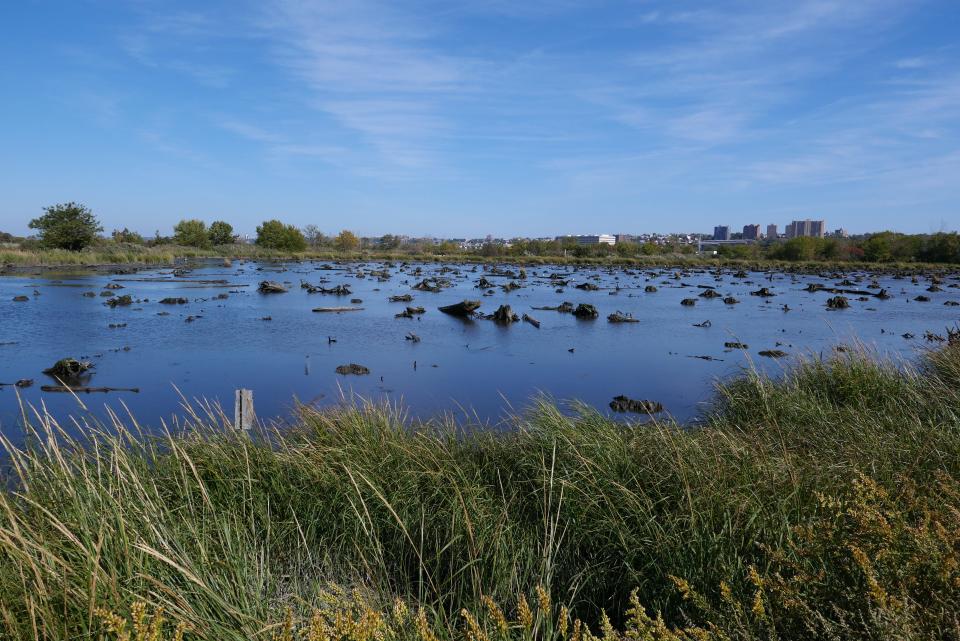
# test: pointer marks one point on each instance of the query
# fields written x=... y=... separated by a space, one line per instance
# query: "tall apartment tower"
x=721 y=232
x=772 y=231
x=751 y=232
x=814 y=228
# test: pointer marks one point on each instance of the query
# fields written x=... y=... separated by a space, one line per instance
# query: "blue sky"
x=498 y=117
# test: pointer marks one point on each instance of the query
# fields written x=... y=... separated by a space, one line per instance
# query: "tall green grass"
x=820 y=505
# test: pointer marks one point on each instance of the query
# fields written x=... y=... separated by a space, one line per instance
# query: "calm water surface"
x=462 y=366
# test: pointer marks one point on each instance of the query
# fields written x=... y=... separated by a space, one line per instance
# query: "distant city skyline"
x=532 y=119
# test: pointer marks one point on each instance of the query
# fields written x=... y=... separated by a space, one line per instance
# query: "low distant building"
x=841 y=233
x=751 y=232
x=587 y=239
x=625 y=238
x=721 y=232
x=772 y=232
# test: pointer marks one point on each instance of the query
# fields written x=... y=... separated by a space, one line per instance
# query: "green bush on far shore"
x=823 y=505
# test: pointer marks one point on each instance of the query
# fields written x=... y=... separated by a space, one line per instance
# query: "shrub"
x=274 y=234
x=127 y=236
x=191 y=233
x=221 y=233
x=347 y=241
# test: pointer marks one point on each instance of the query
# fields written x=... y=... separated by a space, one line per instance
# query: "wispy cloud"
x=373 y=69
x=251 y=132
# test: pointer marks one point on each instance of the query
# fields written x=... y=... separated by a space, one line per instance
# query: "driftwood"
x=585 y=310
x=463 y=308
x=352 y=368
x=816 y=287
x=271 y=287
x=337 y=310
x=504 y=315
x=119 y=301
x=773 y=353
x=215 y=286
x=339 y=290
x=565 y=307
x=620 y=317
x=68 y=369
x=23 y=382
x=172 y=280
x=625 y=404
x=410 y=312
x=533 y=321
x=87 y=390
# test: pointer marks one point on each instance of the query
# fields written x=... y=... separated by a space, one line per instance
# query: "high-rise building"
x=751 y=232
x=772 y=232
x=721 y=232
x=812 y=228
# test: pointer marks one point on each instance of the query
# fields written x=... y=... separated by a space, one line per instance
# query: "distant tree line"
x=882 y=247
x=73 y=226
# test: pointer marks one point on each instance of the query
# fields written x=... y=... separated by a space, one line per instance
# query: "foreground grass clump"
x=822 y=505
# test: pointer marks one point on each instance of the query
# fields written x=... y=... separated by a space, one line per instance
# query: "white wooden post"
x=243 y=410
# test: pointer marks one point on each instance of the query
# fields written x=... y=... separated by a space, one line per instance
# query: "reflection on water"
x=227 y=335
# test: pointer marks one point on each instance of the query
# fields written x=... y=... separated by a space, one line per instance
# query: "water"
x=463 y=367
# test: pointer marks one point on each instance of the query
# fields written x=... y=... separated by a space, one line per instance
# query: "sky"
x=502 y=117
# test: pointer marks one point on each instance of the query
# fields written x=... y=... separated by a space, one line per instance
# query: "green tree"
x=127 y=236
x=221 y=233
x=942 y=248
x=67 y=226
x=738 y=251
x=802 y=248
x=347 y=241
x=878 y=248
x=275 y=235
x=389 y=241
x=650 y=249
x=191 y=233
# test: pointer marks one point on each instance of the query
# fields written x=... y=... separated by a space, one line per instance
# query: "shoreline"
x=646 y=262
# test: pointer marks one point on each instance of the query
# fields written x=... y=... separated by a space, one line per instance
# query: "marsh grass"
x=132 y=254
x=823 y=504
